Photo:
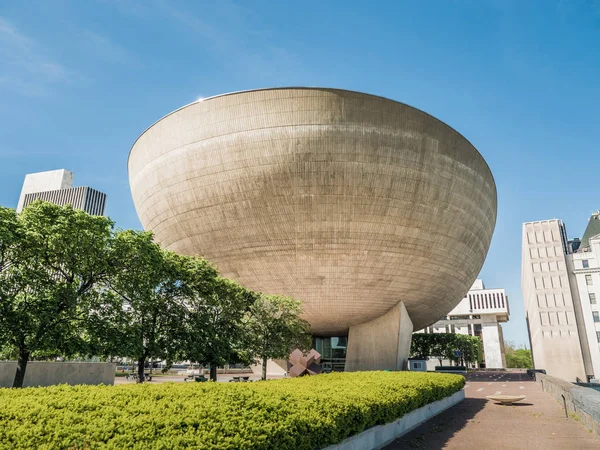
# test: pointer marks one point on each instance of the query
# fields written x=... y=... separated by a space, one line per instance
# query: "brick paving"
x=538 y=422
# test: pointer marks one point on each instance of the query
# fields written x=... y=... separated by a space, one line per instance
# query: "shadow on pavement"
x=434 y=433
x=515 y=404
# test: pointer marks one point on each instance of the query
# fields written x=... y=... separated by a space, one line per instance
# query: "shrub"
x=301 y=413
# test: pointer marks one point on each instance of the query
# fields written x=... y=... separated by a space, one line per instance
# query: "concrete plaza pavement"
x=222 y=378
x=538 y=422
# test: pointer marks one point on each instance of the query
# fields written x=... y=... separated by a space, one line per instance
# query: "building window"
x=418 y=365
x=598 y=335
x=596 y=316
x=588 y=280
x=585 y=263
x=592 y=298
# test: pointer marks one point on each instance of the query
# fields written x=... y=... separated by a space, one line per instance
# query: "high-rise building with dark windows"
x=56 y=186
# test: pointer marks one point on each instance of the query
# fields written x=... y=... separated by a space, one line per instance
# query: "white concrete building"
x=479 y=313
x=561 y=289
x=56 y=186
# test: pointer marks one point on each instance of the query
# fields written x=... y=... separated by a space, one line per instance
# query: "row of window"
x=551 y=300
x=541 y=236
x=588 y=280
x=548 y=266
x=472 y=328
x=486 y=301
x=553 y=282
x=544 y=252
x=556 y=317
x=563 y=334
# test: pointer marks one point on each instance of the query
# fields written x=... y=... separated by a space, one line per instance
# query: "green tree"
x=275 y=328
x=443 y=345
x=52 y=258
x=470 y=347
x=517 y=358
x=215 y=322
x=421 y=346
x=141 y=311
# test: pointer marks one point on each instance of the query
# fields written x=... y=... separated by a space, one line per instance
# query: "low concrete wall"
x=382 y=435
x=582 y=403
x=275 y=368
x=40 y=373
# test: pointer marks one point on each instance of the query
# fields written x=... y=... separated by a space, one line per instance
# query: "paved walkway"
x=476 y=423
x=225 y=378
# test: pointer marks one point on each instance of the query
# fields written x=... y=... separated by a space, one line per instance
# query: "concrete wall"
x=582 y=402
x=549 y=304
x=40 y=373
x=275 y=368
x=379 y=436
x=346 y=201
x=383 y=343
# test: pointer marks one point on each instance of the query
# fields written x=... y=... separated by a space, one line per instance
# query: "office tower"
x=56 y=186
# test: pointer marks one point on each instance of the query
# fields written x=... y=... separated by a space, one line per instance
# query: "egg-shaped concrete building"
x=374 y=214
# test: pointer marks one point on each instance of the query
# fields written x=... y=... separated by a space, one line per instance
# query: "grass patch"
x=302 y=413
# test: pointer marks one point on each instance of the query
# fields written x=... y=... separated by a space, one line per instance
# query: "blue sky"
x=79 y=81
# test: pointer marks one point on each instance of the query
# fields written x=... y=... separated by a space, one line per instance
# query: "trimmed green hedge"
x=301 y=413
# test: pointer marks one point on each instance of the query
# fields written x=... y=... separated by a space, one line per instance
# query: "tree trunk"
x=21 y=368
x=141 y=364
x=264 y=368
x=213 y=372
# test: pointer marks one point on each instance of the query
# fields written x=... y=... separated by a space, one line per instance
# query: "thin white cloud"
x=25 y=68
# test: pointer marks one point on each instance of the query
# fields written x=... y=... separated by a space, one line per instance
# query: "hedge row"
x=301 y=413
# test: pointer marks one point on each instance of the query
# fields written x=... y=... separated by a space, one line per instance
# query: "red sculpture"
x=302 y=364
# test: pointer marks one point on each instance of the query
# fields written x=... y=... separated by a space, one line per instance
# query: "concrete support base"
x=383 y=343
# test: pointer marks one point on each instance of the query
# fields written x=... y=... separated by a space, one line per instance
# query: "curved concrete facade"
x=349 y=202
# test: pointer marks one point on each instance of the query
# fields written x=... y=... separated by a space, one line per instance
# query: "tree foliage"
x=444 y=345
x=70 y=285
x=274 y=328
x=517 y=358
x=215 y=330
x=142 y=306
x=52 y=259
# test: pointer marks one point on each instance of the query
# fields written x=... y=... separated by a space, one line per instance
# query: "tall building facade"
x=560 y=283
x=479 y=313
x=56 y=186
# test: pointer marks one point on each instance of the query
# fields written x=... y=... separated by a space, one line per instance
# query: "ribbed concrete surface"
x=347 y=201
